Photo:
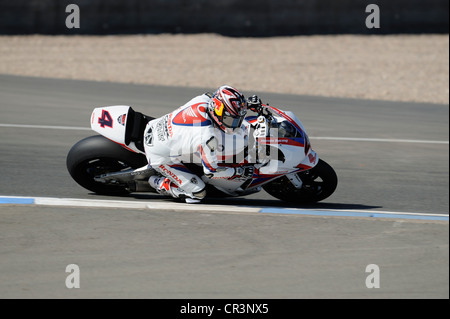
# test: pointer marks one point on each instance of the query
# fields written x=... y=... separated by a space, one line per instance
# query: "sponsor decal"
x=170 y=174
x=162 y=128
x=312 y=158
x=218 y=107
x=148 y=138
x=285 y=141
x=192 y=116
x=222 y=177
x=121 y=119
x=169 y=125
x=189 y=112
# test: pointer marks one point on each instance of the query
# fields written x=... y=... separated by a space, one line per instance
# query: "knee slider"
x=201 y=194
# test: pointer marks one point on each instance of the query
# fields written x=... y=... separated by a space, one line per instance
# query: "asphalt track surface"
x=389 y=156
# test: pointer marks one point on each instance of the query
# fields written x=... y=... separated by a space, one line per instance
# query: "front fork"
x=295 y=180
x=310 y=161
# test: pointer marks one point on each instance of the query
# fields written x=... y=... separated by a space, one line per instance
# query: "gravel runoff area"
x=396 y=67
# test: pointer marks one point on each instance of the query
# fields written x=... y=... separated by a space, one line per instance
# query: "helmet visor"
x=232 y=122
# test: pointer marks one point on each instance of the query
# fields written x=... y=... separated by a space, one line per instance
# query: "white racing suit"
x=185 y=135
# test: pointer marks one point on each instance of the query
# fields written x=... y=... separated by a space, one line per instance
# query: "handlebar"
x=268 y=114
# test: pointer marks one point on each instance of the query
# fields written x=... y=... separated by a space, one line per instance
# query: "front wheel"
x=318 y=183
x=96 y=155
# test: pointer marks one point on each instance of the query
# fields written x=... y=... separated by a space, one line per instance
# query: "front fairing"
x=289 y=143
x=286 y=149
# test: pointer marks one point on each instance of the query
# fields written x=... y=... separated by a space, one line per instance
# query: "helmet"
x=227 y=108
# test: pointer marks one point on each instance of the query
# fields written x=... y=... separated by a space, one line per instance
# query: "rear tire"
x=318 y=184
x=96 y=155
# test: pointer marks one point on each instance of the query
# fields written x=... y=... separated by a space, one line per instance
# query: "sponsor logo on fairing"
x=121 y=119
x=312 y=158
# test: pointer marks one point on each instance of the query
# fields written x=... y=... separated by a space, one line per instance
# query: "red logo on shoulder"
x=192 y=115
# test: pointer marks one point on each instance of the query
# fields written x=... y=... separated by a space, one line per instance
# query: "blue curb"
x=350 y=214
x=16 y=200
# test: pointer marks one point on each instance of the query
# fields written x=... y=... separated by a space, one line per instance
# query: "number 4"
x=105 y=119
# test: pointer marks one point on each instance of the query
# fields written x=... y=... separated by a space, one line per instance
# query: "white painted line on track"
x=78 y=202
x=203 y=207
x=325 y=138
x=151 y=205
x=164 y=206
x=207 y=208
x=47 y=127
x=385 y=140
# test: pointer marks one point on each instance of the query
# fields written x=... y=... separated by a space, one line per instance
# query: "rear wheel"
x=318 y=183
x=96 y=155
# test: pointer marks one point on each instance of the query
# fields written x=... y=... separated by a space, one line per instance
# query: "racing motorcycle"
x=277 y=146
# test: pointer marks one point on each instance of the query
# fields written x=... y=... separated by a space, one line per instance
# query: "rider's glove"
x=243 y=172
x=254 y=103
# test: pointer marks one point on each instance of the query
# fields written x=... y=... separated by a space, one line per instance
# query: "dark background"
x=226 y=17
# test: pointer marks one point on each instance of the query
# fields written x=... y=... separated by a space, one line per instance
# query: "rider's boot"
x=164 y=186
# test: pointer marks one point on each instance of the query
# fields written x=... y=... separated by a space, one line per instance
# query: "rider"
x=189 y=131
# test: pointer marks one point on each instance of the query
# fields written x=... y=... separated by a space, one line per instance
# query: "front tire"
x=319 y=183
x=96 y=155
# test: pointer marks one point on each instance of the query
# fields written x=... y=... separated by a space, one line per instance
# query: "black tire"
x=318 y=183
x=96 y=155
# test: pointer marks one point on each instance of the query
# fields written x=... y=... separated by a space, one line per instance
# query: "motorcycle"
x=277 y=146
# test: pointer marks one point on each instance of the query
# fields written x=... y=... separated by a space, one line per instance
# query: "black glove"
x=254 y=103
x=243 y=172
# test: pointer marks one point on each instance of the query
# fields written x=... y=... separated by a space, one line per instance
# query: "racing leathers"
x=185 y=135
